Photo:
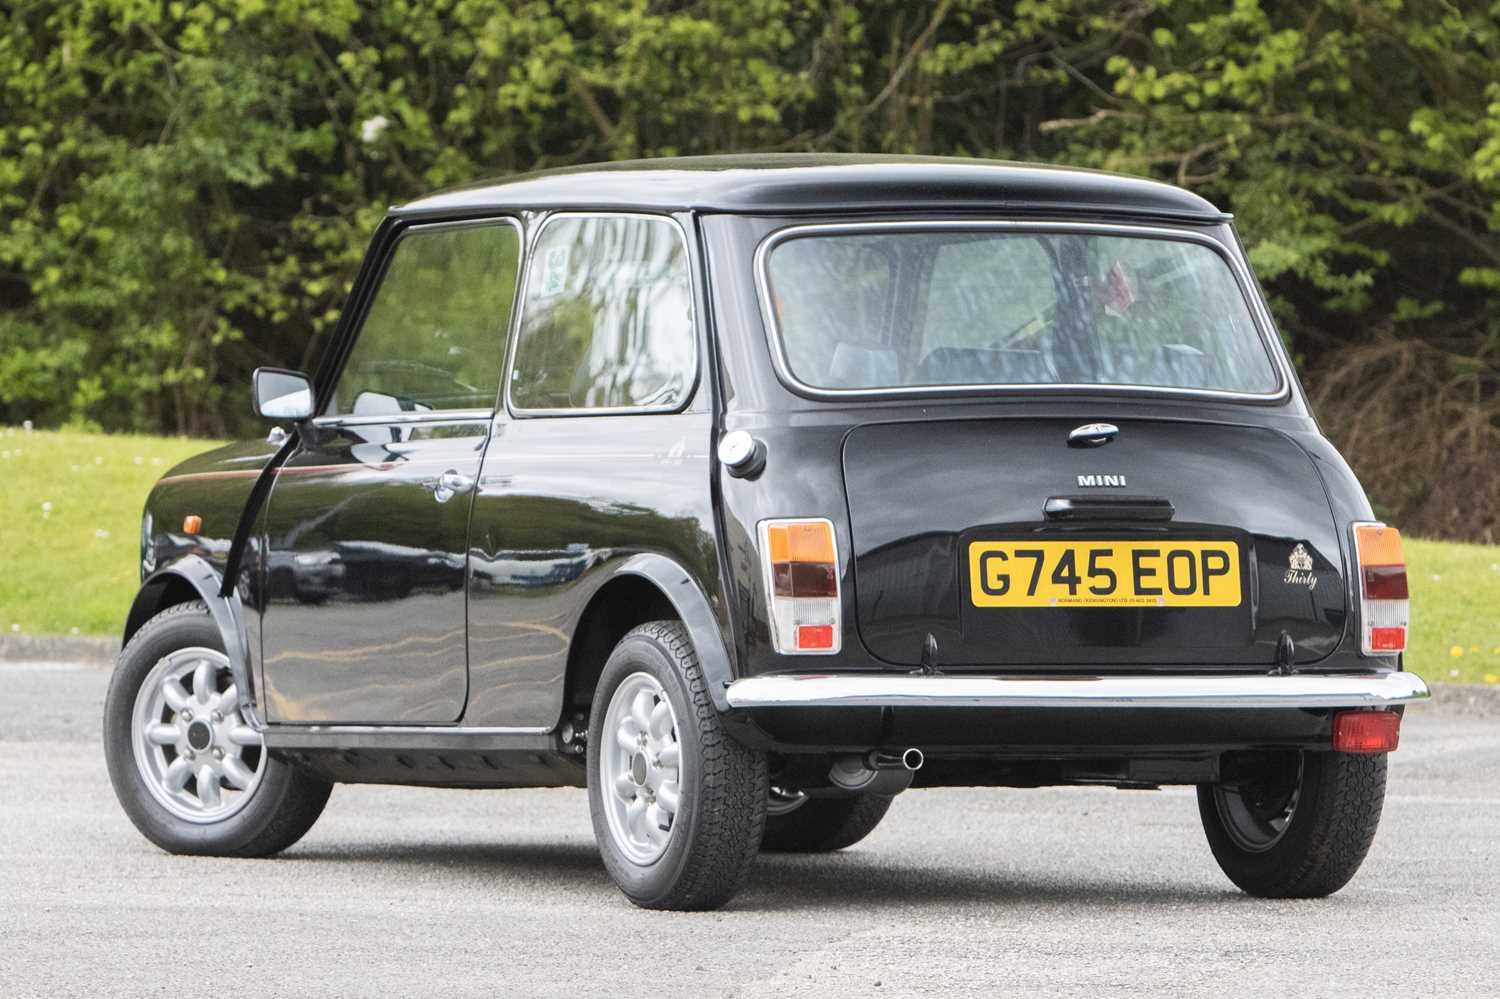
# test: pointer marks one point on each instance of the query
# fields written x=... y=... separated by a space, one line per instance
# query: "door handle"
x=450 y=484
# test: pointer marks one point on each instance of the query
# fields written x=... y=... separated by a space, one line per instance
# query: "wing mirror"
x=282 y=394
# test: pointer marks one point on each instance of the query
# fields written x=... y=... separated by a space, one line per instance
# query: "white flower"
x=4 y=454
x=46 y=506
x=156 y=461
x=101 y=533
x=98 y=460
x=72 y=631
x=15 y=627
x=1436 y=578
x=371 y=128
x=139 y=460
x=26 y=425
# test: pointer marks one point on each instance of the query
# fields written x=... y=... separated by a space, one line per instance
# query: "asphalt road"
x=408 y=892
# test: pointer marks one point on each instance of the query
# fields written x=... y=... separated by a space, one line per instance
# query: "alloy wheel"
x=197 y=753
x=641 y=763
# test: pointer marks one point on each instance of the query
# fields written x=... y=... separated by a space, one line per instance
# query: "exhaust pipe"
x=886 y=759
x=880 y=771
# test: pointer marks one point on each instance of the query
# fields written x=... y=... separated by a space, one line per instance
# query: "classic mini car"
x=749 y=493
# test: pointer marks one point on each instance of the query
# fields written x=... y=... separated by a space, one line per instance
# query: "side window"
x=607 y=320
x=435 y=335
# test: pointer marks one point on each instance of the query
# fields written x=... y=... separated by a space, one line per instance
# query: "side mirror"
x=282 y=394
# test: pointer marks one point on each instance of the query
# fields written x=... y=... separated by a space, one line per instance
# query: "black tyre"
x=1297 y=827
x=821 y=825
x=186 y=766
x=678 y=805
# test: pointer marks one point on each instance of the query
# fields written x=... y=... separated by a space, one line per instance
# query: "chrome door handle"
x=450 y=484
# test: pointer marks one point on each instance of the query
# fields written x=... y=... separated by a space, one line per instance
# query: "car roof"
x=810 y=182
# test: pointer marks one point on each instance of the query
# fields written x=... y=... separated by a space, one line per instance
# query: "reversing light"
x=802 y=585
x=1366 y=731
x=1384 y=605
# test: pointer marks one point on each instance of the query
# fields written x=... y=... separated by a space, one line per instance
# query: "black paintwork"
x=362 y=599
x=794 y=182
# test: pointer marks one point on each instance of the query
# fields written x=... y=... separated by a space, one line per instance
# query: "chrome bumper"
x=876 y=690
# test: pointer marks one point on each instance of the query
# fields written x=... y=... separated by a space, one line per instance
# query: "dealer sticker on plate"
x=1156 y=573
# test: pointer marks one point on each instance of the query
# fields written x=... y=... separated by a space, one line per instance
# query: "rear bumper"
x=1372 y=690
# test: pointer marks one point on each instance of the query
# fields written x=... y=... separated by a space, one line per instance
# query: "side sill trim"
x=399 y=737
x=1302 y=691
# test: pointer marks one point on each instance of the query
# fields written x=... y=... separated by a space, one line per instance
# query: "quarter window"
x=435 y=335
x=607 y=321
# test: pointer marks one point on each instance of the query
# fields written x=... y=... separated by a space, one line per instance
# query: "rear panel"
x=911 y=483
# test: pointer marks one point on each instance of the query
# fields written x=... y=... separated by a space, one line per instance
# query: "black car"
x=751 y=492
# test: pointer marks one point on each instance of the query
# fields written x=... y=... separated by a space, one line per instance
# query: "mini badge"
x=1299 y=568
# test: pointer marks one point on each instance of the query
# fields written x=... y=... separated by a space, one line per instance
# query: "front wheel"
x=678 y=805
x=188 y=768
x=1295 y=825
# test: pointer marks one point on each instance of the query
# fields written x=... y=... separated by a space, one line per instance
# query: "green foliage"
x=186 y=188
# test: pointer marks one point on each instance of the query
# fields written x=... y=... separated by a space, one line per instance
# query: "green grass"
x=71 y=568
x=1455 y=611
x=70 y=526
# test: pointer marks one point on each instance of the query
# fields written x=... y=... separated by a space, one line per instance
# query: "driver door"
x=366 y=527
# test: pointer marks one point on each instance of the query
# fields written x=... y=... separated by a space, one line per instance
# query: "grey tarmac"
x=409 y=892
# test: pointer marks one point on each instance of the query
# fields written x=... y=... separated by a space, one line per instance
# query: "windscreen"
x=872 y=310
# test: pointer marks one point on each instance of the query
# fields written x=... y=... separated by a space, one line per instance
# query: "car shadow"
x=781 y=882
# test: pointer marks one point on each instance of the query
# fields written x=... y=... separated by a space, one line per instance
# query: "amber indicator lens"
x=192 y=524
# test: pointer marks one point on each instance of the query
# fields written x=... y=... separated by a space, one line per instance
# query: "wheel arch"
x=646 y=587
x=193 y=578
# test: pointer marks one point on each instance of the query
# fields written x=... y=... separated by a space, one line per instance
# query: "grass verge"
x=70 y=522
x=70 y=525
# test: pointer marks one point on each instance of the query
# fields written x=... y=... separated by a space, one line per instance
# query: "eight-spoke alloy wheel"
x=641 y=761
x=196 y=751
x=189 y=769
x=678 y=804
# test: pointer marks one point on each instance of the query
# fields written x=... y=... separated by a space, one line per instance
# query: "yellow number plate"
x=1104 y=573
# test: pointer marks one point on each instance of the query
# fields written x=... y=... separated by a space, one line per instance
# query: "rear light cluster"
x=802 y=581
x=1384 y=607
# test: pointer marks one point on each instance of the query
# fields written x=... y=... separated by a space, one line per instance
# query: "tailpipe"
x=880 y=771
x=889 y=759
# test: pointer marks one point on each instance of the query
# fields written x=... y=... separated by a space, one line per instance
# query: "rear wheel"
x=1296 y=825
x=796 y=823
x=678 y=805
x=186 y=765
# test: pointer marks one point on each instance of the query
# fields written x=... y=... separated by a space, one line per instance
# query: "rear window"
x=872 y=310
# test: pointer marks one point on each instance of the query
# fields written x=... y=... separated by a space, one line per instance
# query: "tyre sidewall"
x=180 y=627
x=647 y=884
x=1302 y=844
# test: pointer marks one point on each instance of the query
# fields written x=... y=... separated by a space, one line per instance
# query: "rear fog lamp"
x=1366 y=731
